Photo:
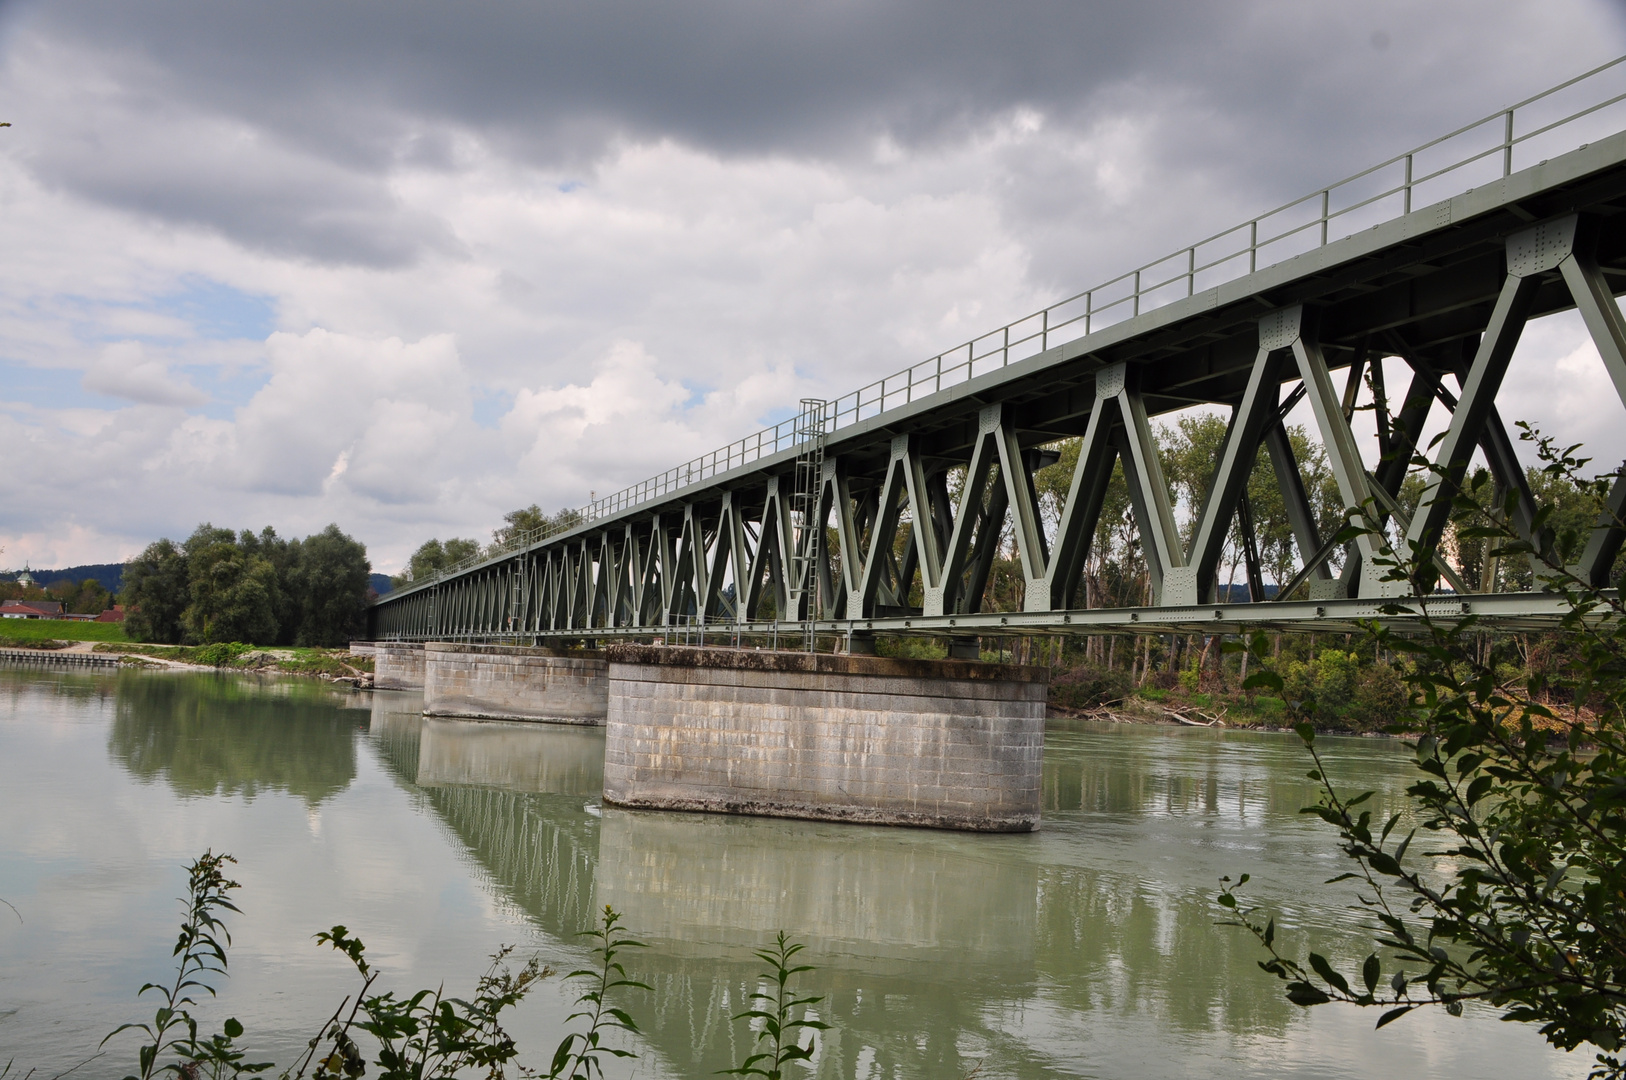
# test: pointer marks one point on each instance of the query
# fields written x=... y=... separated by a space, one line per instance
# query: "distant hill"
x=380 y=583
x=111 y=575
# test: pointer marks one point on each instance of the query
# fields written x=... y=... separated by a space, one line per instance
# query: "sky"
x=407 y=266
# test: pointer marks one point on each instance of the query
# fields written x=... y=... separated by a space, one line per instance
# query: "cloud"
x=124 y=371
x=119 y=140
x=387 y=406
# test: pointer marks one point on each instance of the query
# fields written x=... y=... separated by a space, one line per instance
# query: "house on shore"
x=31 y=609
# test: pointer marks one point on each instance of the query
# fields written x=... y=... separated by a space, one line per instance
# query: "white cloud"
x=332 y=394
x=125 y=371
x=1557 y=381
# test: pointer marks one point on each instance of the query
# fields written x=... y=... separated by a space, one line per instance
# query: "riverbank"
x=1225 y=715
x=334 y=665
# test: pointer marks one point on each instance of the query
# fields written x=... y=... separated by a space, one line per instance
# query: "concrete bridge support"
x=940 y=743
x=398 y=665
x=514 y=682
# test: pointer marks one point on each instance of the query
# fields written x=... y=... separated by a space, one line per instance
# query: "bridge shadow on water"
x=933 y=948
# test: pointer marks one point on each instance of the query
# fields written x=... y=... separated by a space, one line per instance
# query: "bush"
x=1298 y=685
x=1088 y=686
x=1336 y=673
x=1512 y=895
x=1322 y=689
x=1380 y=697
x=428 y=1035
x=911 y=648
x=220 y=654
x=1269 y=707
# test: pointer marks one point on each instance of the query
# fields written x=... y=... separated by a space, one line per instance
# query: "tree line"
x=218 y=585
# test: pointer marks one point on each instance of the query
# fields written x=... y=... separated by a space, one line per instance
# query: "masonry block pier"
x=398 y=665
x=942 y=743
x=514 y=682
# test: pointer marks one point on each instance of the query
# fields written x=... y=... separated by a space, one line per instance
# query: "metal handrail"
x=1030 y=335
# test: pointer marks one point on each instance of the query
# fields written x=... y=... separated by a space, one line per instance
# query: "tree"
x=283 y=555
x=87 y=597
x=156 y=591
x=1115 y=573
x=1190 y=452
x=532 y=520
x=235 y=595
x=1521 y=800
x=432 y=555
x=330 y=579
x=258 y=588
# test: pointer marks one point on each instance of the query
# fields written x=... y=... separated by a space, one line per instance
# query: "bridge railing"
x=1481 y=152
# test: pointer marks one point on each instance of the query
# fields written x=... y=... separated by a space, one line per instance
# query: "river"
x=1087 y=949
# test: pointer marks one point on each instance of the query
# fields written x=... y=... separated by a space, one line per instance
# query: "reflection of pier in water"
x=559 y=760
x=538 y=845
x=932 y=948
x=704 y=882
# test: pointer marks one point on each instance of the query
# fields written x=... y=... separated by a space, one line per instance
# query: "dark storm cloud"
x=726 y=74
x=279 y=124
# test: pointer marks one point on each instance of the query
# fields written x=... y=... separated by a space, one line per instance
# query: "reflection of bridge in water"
x=845 y=517
x=933 y=947
x=536 y=843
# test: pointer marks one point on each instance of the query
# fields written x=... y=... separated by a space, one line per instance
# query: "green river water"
x=1087 y=949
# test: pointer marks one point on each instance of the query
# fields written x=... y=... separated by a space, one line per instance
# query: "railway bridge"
x=1438 y=256
x=884 y=511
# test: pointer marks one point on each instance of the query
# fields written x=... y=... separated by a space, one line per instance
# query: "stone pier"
x=514 y=682
x=949 y=744
x=398 y=665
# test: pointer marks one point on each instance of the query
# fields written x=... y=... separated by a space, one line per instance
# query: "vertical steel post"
x=1507 y=145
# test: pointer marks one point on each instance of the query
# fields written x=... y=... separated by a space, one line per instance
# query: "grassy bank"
x=32 y=633
x=337 y=663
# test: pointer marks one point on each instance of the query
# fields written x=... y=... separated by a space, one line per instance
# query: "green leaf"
x=1324 y=969
x=1303 y=993
x=233 y=1028
x=1370 y=972
x=1267 y=679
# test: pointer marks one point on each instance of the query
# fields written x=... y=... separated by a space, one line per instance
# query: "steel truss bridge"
x=1438 y=256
